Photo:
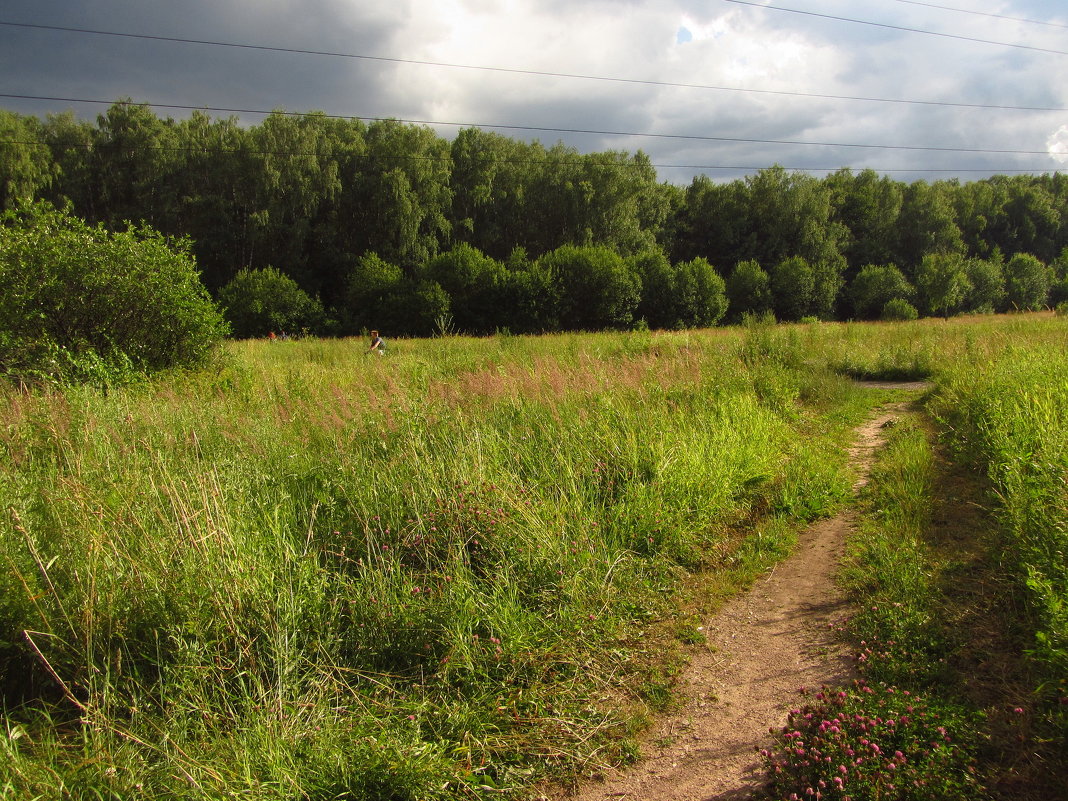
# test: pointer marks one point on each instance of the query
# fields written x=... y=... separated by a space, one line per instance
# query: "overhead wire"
x=540 y=73
x=634 y=134
x=410 y=157
x=577 y=76
x=985 y=14
x=898 y=27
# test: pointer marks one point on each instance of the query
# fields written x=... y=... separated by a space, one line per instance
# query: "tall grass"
x=454 y=571
x=1009 y=416
x=311 y=573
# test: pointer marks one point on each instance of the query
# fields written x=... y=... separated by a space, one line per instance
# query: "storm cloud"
x=916 y=90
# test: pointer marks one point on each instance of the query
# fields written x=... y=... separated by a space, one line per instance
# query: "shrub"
x=1026 y=282
x=899 y=310
x=987 y=279
x=748 y=291
x=793 y=288
x=942 y=283
x=257 y=302
x=700 y=294
x=77 y=301
x=596 y=289
x=875 y=286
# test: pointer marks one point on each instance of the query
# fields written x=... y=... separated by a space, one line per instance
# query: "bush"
x=748 y=291
x=874 y=287
x=942 y=283
x=700 y=294
x=1026 y=282
x=793 y=288
x=899 y=310
x=258 y=302
x=595 y=288
x=79 y=302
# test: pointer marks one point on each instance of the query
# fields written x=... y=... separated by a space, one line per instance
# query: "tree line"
x=306 y=221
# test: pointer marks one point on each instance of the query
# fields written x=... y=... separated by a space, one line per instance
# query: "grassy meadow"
x=467 y=569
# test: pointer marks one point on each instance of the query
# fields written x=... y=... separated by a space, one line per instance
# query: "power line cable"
x=541 y=73
x=985 y=14
x=688 y=137
x=522 y=162
x=898 y=27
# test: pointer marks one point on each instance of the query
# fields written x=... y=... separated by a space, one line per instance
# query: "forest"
x=325 y=225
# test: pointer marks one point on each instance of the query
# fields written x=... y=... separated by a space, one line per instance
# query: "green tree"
x=700 y=294
x=416 y=307
x=1026 y=282
x=595 y=290
x=530 y=295
x=297 y=183
x=475 y=284
x=1058 y=290
x=1033 y=217
x=979 y=209
x=490 y=180
x=132 y=165
x=790 y=214
x=927 y=224
x=867 y=205
x=827 y=283
x=748 y=290
x=372 y=283
x=942 y=283
x=72 y=295
x=986 y=278
x=257 y=302
x=215 y=196
x=709 y=221
x=399 y=198
x=874 y=286
x=70 y=141
x=793 y=288
x=657 y=281
x=26 y=165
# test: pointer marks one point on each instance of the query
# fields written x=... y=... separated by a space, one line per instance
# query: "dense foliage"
x=1009 y=415
x=260 y=302
x=307 y=573
x=315 y=196
x=303 y=572
x=78 y=301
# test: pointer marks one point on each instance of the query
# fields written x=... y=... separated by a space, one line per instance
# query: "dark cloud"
x=732 y=46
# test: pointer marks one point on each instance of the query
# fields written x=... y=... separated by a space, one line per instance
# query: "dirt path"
x=762 y=647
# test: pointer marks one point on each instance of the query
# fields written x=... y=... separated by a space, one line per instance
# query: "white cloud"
x=1057 y=144
x=739 y=48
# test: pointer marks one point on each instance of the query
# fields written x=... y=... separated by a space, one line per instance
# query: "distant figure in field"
x=378 y=345
x=271 y=336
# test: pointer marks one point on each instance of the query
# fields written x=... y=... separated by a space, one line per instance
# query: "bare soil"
x=763 y=646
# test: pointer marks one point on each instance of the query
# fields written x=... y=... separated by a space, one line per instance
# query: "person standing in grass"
x=378 y=345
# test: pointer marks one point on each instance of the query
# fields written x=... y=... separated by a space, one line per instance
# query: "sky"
x=914 y=90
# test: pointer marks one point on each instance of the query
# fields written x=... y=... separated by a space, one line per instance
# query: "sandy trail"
x=762 y=647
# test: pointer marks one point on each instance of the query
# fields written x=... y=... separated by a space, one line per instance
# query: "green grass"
x=949 y=615
x=463 y=570
x=306 y=572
